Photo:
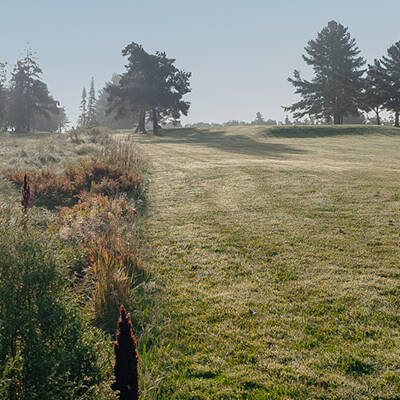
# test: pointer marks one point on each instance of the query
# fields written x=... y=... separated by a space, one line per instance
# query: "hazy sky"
x=240 y=52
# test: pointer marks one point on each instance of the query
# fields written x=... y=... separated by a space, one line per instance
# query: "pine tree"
x=387 y=71
x=336 y=88
x=83 y=117
x=3 y=95
x=151 y=83
x=374 y=94
x=91 y=108
x=259 y=119
x=29 y=96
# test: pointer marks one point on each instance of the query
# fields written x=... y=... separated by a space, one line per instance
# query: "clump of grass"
x=111 y=284
x=107 y=227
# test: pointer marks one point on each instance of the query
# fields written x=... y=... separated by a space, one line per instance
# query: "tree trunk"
x=142 y=122
x=156 y=128
x=396 y=119
x=378 y=118
x=337 y=119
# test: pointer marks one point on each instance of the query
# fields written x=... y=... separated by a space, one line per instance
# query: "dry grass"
x=274 y=265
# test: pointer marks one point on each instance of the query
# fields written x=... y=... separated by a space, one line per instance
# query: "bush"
x=47 y=349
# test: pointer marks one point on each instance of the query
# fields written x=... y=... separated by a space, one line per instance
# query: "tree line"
x=341 y=85
x=150 y=90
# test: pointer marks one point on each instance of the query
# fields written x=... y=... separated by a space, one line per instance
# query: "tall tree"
x=335 y=90
x=151 y=83
x=91 y=108
x=83 y=117
x=387 y=70
x=259 y=119
x=375 y=92
x=3 y=95
x=29 y=96
x=111 y=119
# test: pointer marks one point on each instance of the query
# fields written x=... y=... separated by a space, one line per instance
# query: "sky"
x=239 y=52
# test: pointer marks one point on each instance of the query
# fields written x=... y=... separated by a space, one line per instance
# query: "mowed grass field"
x=274 y=264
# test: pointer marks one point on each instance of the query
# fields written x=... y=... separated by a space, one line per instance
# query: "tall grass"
x=47 y=349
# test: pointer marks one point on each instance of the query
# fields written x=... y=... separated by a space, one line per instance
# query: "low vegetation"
x=68 y=263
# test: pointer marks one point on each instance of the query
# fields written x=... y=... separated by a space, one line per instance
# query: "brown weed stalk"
x=26 y=195
x=126 y=359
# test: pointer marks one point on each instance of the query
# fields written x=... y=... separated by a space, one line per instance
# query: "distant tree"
x=54 y=122
x=387 y=72
x=83 y=117
x=112 y=119
x=151 y=83
x=259 y=119
x=3 y=95
x=91 y=106
x=287 y=121
x=335 y=90
x=29 y=96
x=374 y=93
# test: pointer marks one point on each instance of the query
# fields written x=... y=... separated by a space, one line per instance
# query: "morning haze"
x=199 y=200
x=240 y=53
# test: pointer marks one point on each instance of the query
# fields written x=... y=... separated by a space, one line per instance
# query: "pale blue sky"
x=240 y=52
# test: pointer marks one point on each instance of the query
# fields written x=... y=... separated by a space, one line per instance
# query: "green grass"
x=273 y=261
x=274 y=264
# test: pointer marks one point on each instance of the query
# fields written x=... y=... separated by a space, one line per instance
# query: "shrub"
x=47 y=350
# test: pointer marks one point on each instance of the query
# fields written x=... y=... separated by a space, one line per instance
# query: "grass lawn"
x=273 y=260
x=273 y=264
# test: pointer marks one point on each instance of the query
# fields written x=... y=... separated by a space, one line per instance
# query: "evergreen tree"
x=83 y=117
x=374 y=94
x=335 y=90
x=91 y=108
x=259 y=119
x=111 y=119
x=151 y=83
x=29 y=96
x=3 y=96
x=387 y=72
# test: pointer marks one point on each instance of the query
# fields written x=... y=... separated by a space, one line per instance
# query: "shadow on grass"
x=328 y=131
x=219 y=139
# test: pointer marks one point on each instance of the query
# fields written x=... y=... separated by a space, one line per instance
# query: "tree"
x=83 y=117
x=3 y=95
x=29 y=96
x=387 y=72
x=151 y=83
x=91 y=108
x=335 y=90
x=111 y=119
x=259 y=119
x=374 y=93
x=55 y=122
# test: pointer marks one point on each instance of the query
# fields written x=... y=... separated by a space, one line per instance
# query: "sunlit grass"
x=275 y=265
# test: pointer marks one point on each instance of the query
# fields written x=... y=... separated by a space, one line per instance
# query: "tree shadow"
x=231 y=143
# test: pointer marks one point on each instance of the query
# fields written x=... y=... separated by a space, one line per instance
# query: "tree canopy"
x=151 y=83
x=28 y=95
x=335 y=90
